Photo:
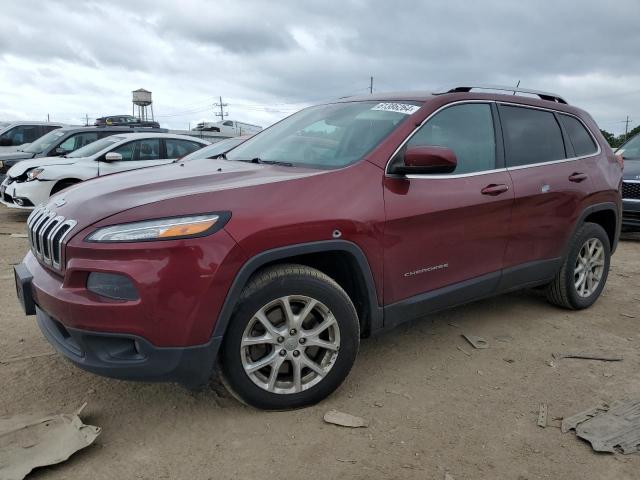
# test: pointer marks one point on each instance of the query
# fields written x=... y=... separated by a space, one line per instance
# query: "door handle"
x=577 y=177
x=494 y=189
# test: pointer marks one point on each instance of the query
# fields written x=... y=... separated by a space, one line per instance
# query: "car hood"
x=15 y=155
x=99 y=198
x=631 y=169
x=21 y=167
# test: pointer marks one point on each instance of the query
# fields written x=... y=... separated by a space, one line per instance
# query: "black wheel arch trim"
x=599 y=207
x=289 y=251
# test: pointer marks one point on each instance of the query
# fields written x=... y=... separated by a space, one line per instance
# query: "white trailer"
x=228 y=127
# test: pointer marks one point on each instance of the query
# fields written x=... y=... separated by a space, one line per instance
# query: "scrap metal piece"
x=609 y=429
x=572 y=422
x=586 y=356
x=475 y=341
x=542 y=415
x=27 y=442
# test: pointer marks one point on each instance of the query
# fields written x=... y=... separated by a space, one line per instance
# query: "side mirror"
x=61 y=151
x=5 y=142
x=424 y=160
x=113 y=157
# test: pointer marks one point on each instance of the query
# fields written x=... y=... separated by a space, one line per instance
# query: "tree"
x=609 y=137
x=614 y=141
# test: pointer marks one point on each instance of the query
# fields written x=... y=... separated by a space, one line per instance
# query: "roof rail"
x=551 y=97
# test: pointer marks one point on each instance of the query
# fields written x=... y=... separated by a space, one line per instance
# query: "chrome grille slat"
x=36 y=230
x=46 y=232
x=41 y=231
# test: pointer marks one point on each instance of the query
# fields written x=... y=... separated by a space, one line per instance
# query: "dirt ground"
x=433 y=408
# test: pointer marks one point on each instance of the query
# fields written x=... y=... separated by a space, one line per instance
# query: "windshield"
x=326 y=136
x=94 y=147
x=45 y=142
x=631 y=149
x=216 y=149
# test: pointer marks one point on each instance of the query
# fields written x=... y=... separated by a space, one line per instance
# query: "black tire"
x=265 y=287
x=562 y=290
x=62 y=184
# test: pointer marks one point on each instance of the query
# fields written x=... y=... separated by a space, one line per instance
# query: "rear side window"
x=48 y=128
x=581 y=140
x=530 y=136
x=466 y=129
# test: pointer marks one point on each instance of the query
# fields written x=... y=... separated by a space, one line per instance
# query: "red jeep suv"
x=270 y=263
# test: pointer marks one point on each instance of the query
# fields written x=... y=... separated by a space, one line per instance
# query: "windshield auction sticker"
x=405 y=108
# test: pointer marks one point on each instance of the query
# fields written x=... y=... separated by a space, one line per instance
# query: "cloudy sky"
x=266 y=59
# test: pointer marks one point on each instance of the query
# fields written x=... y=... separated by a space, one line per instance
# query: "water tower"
x=142 y=100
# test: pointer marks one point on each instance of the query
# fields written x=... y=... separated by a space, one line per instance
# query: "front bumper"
x=631 y=213
x=130 y=357
x=29 y=193
x=118 y=355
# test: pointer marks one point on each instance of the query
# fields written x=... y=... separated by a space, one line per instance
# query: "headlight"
x=34 y=173
x=161 y=229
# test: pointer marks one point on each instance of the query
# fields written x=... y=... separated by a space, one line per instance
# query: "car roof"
x=136 y=135
x=118 y=129
x=31 y=122
x=551 y=101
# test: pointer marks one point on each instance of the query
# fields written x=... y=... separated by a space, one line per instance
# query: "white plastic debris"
x=344 y=419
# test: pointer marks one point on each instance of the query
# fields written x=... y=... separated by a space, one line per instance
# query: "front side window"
x=127 y=150
x=95 y=147
x=147 y=149
x=228 y=123
x=581 y=140
x=530 y=136
x=79 y=140
x=467 y=130
x=326 y=136
x=179 y=148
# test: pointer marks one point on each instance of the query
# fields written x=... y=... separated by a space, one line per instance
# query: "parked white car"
x=229 y=127
x=32 y=182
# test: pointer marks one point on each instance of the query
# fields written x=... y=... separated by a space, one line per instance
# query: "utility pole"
x=626 y=128
x=371 y=86
x=86 y=119
x=48 y=117
x=222 y=113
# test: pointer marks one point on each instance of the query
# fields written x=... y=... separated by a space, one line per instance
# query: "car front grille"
x=631 y=190
x=46 y=231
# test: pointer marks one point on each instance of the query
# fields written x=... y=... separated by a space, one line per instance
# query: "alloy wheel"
x=589 y=267
x=290 y=344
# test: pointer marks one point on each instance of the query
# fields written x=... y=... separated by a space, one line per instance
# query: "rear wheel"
x=584 y=272
x=292 y=339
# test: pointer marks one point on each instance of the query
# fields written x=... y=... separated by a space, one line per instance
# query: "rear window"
x=579 y=137
x=530 y=136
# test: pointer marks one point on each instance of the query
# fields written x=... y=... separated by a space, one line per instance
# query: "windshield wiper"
x=271 y=162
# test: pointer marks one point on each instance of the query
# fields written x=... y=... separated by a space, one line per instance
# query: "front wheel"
x=292 y=340
x=584 y=272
